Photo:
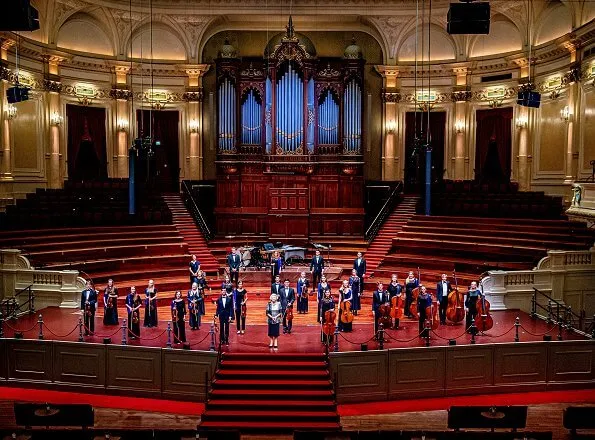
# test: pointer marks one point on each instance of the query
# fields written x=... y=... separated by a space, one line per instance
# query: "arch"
x=443 y=46
x=553 y=22
x=85 y=33
x=504 y=37
x=168 y=43
x=588 y=12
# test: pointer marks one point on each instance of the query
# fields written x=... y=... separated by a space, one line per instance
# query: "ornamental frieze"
x=391 y=96
x=121 y=94
x=194 y=95
x=52 y=86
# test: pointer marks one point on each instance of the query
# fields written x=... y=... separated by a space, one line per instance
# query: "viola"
x=384 y=316
x=135 y=317
x=244 y=309
x=88 y=309
x=174 y=314
x=397 y=306
x=483 y=320
x=414 y=294
x=289 y=313
x=110 y=302
x=455 y=311
x=328 y=328
x=346 y=313
x=432 y=314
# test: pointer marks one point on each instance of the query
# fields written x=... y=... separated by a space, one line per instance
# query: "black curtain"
x=415 y=160
x=493 y=145
x=87 y=156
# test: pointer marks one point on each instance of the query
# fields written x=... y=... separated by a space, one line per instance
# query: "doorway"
x=493 y=145
x=87 y=157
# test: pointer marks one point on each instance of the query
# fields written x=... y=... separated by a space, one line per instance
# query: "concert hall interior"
x=322 y=219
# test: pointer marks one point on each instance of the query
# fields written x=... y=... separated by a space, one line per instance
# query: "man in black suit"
x=277 y=286
x=379 y=297
x=443 y=288
x=287 y=299
x=234 y=261
x=88 y=306
x=359 y=264
x=316 y=268
x=224 y=313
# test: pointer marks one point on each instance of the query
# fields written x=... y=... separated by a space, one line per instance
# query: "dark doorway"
x=87 y=157
x=160 y=170
x=415 y=159
x=493 y=145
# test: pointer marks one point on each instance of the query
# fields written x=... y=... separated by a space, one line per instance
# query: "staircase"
x=383 y=242
x=262 y=392
x=192 y=235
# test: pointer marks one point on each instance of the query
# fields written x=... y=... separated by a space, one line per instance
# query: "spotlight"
x=468 y=18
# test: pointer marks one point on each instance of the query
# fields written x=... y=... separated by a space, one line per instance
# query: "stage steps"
x=264 y=392
x=192 y=235
x=382 y=244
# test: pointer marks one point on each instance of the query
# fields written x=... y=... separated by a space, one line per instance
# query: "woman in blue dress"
x=354 y=282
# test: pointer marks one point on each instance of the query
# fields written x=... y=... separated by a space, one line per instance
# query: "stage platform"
x=62 y=325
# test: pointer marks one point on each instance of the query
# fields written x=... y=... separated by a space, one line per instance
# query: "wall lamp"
x=56 y=119
x=193 y=126
x=122 y=125
x=10 y=112
x=565 y=113
x=391 y=126
x=521 y=122
x=459 y=126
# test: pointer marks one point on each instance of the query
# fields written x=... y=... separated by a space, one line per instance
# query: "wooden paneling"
x=571 y=361
x=81 y=364
x=184 y=373
x=469 y=368
x=3 y=359
x=416 y=372
x=517 y=364
x=29 y=360
x=360 y=376
x=134 y=369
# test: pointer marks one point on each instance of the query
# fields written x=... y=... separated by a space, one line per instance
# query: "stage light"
x=468 y=18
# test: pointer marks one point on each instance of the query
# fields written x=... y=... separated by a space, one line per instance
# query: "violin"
x=384 y=316
x=483 y=320
x=432 y=313
x=135 y=317
x=455 y=311
x=414 y=294
x=110 y=302
x=346 y=313
x=397 y=306
x=88 y=309
x=328 y=328
x=244 y=309
x=289 y=312
x=174 y=313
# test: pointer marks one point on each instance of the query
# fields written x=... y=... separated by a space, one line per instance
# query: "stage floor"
x=62 y=324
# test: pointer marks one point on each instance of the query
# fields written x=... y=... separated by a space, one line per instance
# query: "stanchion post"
x=381 y=336
x=517 y=324
x=168 y=334
x=549 y=310
x=473 y=330
x=336 y=341
x=40 y=322
x=212 y=332
x=81 y=339
x=568 y=318
x=557 y=312
x=427 y=333
x=559 y=331
x=124 y=328
x=534 y=305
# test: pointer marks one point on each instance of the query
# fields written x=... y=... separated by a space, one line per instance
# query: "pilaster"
x=392 y=131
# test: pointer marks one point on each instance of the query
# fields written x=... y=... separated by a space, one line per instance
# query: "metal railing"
x=559 y=314
x=13 y=308
x=195 y=211
x=384 y=212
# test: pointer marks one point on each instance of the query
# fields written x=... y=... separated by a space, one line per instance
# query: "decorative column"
x=392 y=132
x=121 y=120
x=193 y=166
x=460 y=147
x=524 y=123
x=6 y=76
x=56 y=146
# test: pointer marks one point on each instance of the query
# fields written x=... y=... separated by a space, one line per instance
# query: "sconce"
x=122 y=125
x=10 y=112
x=459 y=126
x=521 y=122
x=565 y=113
x=193 y=126
x=56 y=119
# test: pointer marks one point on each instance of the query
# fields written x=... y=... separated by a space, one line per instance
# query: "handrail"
x=16 y=306
x=196 y=214
x=374 y=227
x=558 y=303
x=564 y=315
x=23 y=289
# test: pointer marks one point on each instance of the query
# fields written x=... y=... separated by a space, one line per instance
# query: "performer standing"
x=150 y=305
x=133 y=305
x=424 y=300
x=359 y=264
x=233 y=262
x=302 y=292
x=326 y=303
x=345 y=295
x=110 y=304
x=195 y=300
x=88 y=306
x=443 y=288
x=193 y=267
x=240 y=298
x=224 y=313
x=287 y=300
x=473 y=294
x=202 y=285
x=178 y=312
x=354 y=283
x=410 y=283
x=322 y=286
x=227 y=285
x=394 y=289
x=277 y=286
x=273 y=312
x=317 y=268
x=379 y=297
x=276 y=265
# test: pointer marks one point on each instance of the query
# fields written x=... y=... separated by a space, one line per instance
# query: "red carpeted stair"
x=186 y=226
x=383 y=242
x=271 y=391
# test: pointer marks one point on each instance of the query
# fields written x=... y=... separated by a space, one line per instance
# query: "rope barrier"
x=102 y=336
x=76 y=327
x=21 y=331
x=403 y=340
x=448 y=339
x=357 y=343
x=540 y=334
x=201 y=341
x=498 y=336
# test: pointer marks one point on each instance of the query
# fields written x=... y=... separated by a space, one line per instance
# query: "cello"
x=483 y=320
x=384 y=316
x=397 y=305
x=346 y=313
x=414 y=294
x=455 y=311
x=432 y=313
x=328 y=328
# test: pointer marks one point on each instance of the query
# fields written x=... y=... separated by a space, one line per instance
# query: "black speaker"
x=529 y=99
x=18 y=15
x=579 y=417
x=45 y=414
x=17 y=94
x=468 y=18
x=507 y=417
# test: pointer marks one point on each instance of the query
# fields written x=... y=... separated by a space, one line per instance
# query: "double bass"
x=483 y=320
x=346 y=313
x=455 y=311
x=414 y=294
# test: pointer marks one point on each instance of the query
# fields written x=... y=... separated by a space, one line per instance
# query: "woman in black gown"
x=178 y=314
x=151 y=305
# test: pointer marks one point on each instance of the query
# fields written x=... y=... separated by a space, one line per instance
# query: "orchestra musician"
x=88 y=306
x=355 y=284
x=473 y=294
x=379 y=297
x=443 y=288
x=110 y=304
x=411 y=282
x=359 y=264
x=302 y=292
x=322 y=286
x=276 y=265
x=317 y=268
x=326 y=303
x=240 y=298
x=234 y=262
x=224 y=312
x=193 y=267
x=178 y=312
x=394 y=289
x=273 y=313
x=202 y=285
x=133 y=305
x=151 y=305
x=424 y=300
x=277 y=286
x=345 y=294
x=195 y=306
x=227 y=285
x=287 y=299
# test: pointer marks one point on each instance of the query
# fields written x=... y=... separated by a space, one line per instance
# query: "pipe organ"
x=296 y=165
